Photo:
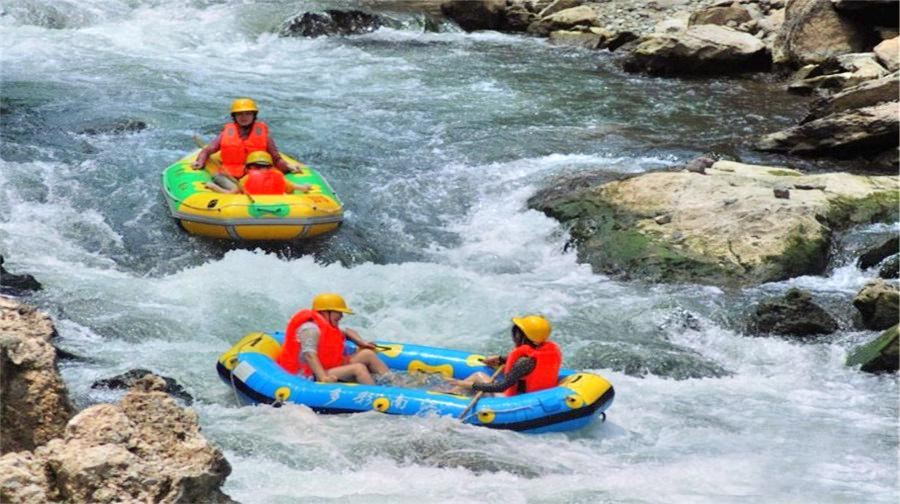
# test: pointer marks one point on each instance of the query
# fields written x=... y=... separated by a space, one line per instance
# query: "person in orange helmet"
x=533 y=364
x=319 y=352
x=238 y=139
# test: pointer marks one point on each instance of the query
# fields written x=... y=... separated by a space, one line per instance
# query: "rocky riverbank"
x=144 y=449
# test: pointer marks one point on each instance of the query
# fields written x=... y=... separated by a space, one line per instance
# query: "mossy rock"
x=882 y=206
x=879 y=355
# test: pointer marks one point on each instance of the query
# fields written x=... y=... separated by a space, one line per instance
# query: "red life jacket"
x=331 y=344
x=548 y=360
x=264 y=181
x=234 y=149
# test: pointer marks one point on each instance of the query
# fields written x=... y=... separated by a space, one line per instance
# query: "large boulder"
x=795 y=314
x=878 y=304
x=330 y=23
x=839 y=73
x=34 y=407
x=474 y=15
x=879 y=355
x=890 y=268
x=16 y=285
x=702 y=49
x=559 y=5
x=888 y=53
x=720 y=15
x=145 y=449
x=566 y=19
x=865 y=94
x=724 y=228
x=848 y=133
x=813 y=32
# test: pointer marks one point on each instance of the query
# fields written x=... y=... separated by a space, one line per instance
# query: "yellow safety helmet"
x=259 y=157
x=536 y=328
x=330 y=302
x=243 y=105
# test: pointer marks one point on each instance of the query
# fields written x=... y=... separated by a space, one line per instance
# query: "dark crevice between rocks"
x=126 y=380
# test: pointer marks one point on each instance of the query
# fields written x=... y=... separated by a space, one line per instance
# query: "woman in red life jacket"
x=532 y=365
x=239 y=138
x=319 y=352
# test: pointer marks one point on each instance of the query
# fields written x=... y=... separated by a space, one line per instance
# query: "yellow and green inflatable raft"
x=200 y=211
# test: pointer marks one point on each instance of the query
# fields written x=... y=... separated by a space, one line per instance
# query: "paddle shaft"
x=478 y=395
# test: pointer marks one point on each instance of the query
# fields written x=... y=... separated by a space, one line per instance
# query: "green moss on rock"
x=844 y=212
x=879 y=355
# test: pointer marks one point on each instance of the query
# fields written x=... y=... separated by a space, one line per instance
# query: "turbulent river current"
x=434 y=141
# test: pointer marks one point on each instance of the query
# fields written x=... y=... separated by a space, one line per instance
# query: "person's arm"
x=354 y=336
x=321 y=375
x=207 y=151
x=277 y=160
x=520 y=369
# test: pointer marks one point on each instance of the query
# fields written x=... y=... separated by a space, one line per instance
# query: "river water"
x=434 y=141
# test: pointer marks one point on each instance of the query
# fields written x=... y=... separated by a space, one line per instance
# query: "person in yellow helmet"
x=262 y=178
x=533 y=364
x=319 y=351
x=238 y=139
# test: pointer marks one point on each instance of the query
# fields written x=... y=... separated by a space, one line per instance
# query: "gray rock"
x=879 y=355
x=792 y=315
x=114 y=127
x=723 y=15
x=813 y=32
x=890 y=268
x=474 y=15
x=701 y=49
x=16 y=285
x=888 y=53
x=848 y=133
x=865 y=94
x=877 y=303
x=128 y=379
x=331 y=23
x=782 y=192
x=875 y=255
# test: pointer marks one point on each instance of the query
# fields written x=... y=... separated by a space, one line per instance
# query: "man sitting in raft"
x=262 y=178
x=532 y=365
x=239 y=138
x=320 y=349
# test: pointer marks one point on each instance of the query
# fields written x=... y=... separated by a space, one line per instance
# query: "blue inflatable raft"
x=249 y=367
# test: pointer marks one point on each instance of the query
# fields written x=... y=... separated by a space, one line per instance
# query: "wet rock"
x=875 y=255
x=114 y=128
x=878 y=304
x=813 y=32
x=16 y=285
x=702 y=49
x=330 y=23
x=145 y=449
x=890 y=268
x=474 y=15
x=565 y=20
x=518 y=17
x=879 y=355
x=35 y=407
x=888 y=53
x=586 y=40
x=126 y=380
x=865 y=94
x=753 y=240
x=720 y=15
x=795 y=314
x=849 y=133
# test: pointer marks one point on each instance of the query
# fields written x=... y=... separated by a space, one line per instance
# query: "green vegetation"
x=878 y=355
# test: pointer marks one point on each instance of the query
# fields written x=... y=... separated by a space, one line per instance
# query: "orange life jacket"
x=234 y=149
x=331 y=344
x=264 y=181
x=548 y=360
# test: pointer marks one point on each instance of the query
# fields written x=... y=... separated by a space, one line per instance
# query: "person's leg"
x=356 y=372
x=371 y=361
x=477 y=377
x=224 y=184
